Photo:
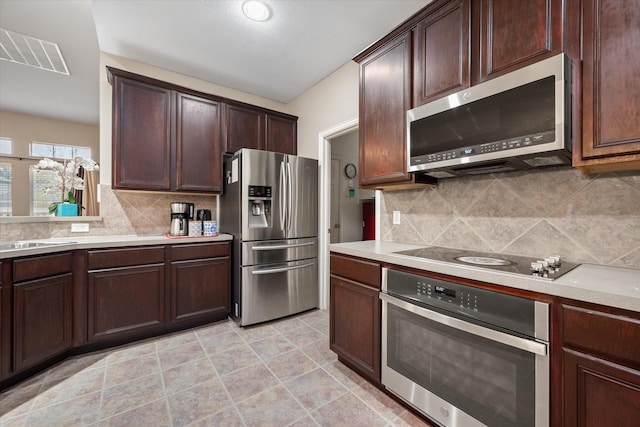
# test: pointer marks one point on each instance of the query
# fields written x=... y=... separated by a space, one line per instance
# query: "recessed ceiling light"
x=256 y=10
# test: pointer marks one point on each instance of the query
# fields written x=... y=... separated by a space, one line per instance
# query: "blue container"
x=67 y=209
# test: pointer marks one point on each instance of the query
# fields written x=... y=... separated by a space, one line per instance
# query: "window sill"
x=34 y=219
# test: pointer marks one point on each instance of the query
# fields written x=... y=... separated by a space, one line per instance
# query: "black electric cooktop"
x=544 y=267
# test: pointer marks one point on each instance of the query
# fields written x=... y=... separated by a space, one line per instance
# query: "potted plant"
x=66 y=182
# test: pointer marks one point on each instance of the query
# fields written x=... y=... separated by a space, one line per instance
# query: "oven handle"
x=490 y=334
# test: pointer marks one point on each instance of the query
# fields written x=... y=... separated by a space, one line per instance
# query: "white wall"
x=330 y=102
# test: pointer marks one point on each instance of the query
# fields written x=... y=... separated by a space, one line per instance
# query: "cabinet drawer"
x=605 y=333
x=41 y=266
x=108 y=258
x=360 y=270
x=197 y=251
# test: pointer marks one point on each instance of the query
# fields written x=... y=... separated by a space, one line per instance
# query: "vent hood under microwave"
x=520 y=120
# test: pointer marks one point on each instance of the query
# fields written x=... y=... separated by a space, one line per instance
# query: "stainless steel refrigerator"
x=270 y=206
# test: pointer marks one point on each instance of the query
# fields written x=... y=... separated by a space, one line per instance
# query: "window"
x=5 y=146
x=58 y=151
x=40 y=200
x=5 y=189
x=40 y=179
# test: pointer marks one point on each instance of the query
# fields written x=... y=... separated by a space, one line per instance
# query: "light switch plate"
x=79 y=228
x=396 y=217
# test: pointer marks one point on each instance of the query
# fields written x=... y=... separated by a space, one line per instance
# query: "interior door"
x=334 y=230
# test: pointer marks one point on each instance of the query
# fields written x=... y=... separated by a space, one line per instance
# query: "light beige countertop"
x=94 y=242
x=600 y=284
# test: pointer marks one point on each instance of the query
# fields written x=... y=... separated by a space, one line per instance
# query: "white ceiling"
x=303 y=42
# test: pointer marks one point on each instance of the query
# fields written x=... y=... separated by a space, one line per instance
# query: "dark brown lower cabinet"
x=125 y=300
x=599 y=393
x=355 y=312
x=42 y=318
x=601 y=367
x=104 y=297
x=199 y=290
x=200 y=287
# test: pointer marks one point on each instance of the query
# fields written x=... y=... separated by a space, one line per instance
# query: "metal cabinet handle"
x=281 y=269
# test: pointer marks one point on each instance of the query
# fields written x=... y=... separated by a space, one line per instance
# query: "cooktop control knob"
x=537 y=268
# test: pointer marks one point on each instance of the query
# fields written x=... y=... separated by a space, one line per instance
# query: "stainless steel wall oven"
x=465 y=356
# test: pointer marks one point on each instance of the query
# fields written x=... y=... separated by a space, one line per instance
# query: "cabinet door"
x=442 y=51
x=599 y=393
x=198 y=144
x=42 y=319
x=125 y=300
x=141 y=136
x=245 y=128
x=200 y=289
x=516 y=33
x=385 y=96
x=611 y=82
x=355 y=325
x=281 y=134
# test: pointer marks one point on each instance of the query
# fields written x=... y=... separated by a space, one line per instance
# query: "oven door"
x=462 y=374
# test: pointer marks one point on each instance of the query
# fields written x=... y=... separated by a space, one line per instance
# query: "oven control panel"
x=504 y=310
x=464 y=298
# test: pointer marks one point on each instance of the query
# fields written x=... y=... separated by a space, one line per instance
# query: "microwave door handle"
x=490 y=334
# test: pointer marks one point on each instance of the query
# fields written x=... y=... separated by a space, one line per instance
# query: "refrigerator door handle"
x=274 y=247
x=282 y=202
x=289 y=196
x=281 y=269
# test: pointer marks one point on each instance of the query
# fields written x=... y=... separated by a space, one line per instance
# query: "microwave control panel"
x=473 y=150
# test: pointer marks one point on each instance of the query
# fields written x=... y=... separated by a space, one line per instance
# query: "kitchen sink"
x=9 y=246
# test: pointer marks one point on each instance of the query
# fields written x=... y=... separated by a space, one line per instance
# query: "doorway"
x=331 y=158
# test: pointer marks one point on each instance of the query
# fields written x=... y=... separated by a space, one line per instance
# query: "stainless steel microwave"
x=520 y=120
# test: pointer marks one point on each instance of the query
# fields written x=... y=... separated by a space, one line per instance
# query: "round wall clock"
x=350 y=170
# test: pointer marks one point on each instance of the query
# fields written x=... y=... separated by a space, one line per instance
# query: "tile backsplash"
x=123 y=213
x=557 y=211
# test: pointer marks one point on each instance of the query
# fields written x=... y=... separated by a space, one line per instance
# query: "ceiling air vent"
x=26 y=50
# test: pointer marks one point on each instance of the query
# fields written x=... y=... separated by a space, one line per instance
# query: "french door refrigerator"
x=270 y=206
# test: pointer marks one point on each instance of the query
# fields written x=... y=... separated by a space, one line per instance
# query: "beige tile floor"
x=280 y=373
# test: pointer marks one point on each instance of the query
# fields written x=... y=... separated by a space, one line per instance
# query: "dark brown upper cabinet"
x=281 y=133
x=446 y=47
x=385 y=96
x=248 y=126
x=513 y=34
x=245 y=128
x=442 y=52
x=198 y=144
x=164 y=138
x=610 y=87
x=141 y=135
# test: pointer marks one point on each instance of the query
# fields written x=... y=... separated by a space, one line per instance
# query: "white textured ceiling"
x=303 y=42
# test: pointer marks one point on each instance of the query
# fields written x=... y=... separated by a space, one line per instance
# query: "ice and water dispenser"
x=259 y=206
